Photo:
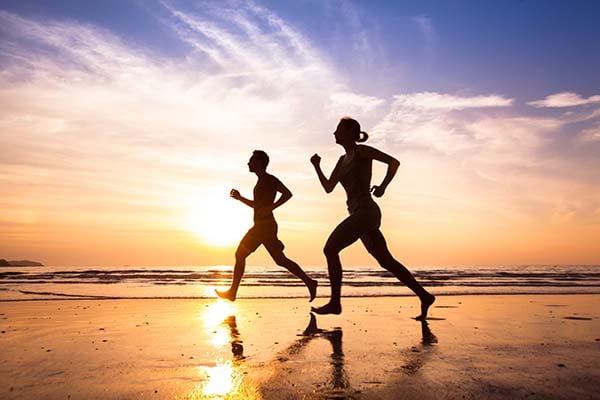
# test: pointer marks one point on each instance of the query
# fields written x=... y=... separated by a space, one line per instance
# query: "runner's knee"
x=375 y=244
x=388 y=263
x=381 y=254
x=280 y=259
x=330 y=249
x=241 y=253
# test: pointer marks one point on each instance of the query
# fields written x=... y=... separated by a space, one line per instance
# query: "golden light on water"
x=220 y=337
x=222 y=379
x=225 y=381
x=214 y=314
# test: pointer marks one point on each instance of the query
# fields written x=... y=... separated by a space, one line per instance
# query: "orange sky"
x=112 y=157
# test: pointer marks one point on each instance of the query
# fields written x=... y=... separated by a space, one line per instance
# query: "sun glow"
x=217 y=219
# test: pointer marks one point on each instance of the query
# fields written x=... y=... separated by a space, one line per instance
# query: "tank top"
x=355 y=177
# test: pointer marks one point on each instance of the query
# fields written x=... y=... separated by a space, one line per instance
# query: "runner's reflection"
x=337 y=383
x=237 y=349
x=415 y=356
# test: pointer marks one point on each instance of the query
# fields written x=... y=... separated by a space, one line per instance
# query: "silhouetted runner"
x=264 y=230
x=353 y=171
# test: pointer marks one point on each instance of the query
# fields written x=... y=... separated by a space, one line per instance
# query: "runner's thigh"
x=347 y=232
x=273 y=245
x=374 y=242
x=249 y=243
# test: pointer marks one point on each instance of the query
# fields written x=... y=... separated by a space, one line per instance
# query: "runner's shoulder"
x=273 y=179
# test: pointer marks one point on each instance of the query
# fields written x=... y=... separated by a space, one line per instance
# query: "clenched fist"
x=315 y=159
x=235 y=194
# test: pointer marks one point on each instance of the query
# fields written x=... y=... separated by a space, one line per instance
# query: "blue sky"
x=493 y=108
x=527 y=48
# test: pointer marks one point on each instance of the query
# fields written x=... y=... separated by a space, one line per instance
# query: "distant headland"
x=20 y=263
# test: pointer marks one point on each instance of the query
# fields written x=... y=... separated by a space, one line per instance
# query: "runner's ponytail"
x=353 y=126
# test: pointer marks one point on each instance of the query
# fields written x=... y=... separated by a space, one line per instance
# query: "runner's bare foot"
x=328 y=308
x=312 y=289
x=225 y=295
x=426 y=302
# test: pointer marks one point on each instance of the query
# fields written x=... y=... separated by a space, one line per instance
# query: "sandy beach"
x=498 y=347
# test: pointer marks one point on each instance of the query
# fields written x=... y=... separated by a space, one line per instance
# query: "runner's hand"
x=377 y=191
x=235 y=194
x=315 y=160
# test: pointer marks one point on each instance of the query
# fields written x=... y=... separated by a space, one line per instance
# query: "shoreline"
x=72 y=297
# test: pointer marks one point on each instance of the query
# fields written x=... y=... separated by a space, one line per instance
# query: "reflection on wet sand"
x=298 y=373
x=221 y=380
x=338 y=384
x=226 y=379
x=427 y=337
x=339 y=379
x=237 y=349
x=417 y=355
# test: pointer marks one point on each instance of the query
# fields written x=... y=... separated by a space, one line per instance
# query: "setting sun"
x=217 y=219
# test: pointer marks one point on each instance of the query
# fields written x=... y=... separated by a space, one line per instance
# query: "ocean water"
x=31 y=283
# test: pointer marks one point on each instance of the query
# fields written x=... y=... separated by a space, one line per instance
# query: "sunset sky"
x=124 y=124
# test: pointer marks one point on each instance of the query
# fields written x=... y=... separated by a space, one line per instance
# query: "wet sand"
x=497 y=347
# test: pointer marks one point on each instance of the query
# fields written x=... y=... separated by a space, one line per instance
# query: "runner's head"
x=258 y=161
x=348 y=130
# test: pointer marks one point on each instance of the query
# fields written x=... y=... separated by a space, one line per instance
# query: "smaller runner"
x=264 y=230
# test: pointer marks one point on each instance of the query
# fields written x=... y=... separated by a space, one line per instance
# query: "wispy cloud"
x=590 y=134
x=425 y=26
x=428 y=120
x=265 y=74
x=440 y=101
x=347 y=103
x=564 y=99
x=491 y=153
x=356 y=34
